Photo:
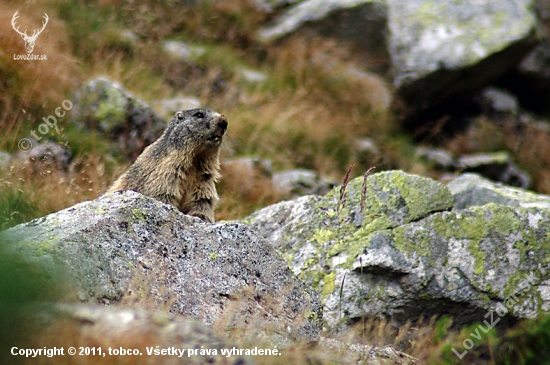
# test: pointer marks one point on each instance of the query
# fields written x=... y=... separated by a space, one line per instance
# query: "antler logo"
x=29 y=40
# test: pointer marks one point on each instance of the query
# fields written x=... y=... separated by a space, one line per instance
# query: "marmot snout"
x=182 y=167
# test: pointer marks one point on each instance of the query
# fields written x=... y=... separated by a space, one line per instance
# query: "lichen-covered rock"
x=401 y=252
x=443 y=49
x=45 y=155
x=130 y=246
x=362 y=22
x=305 y=11
x=473 y=190
x=497 y=166
x=437 y=157
x=299 y=182
x=168 y=107
x=105 y=105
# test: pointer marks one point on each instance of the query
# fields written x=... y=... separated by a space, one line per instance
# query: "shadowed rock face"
x=408 y=253
x=130 y=247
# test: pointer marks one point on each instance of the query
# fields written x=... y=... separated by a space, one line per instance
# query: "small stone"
x=295 y=183
x=5 y=159
x=46 y=154
x=500 y=100
x=183 y=50
x=252 y=76
x=168 y=107
x=438 y=157
x=497 y=166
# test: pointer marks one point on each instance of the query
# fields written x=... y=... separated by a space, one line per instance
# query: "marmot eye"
x=199 y=115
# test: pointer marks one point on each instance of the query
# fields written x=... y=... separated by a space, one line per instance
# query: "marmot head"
x=198 y=127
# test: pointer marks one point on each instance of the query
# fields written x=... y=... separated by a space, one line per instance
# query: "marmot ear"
x=179 y=115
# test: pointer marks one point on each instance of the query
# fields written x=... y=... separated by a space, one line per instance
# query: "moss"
x=213 y=256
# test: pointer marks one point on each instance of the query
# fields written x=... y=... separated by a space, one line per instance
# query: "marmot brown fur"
x=181 y=167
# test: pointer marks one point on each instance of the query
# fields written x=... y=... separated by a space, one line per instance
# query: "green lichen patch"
x=391 y=199
x=112 y=108
x=400 y=196
x=138 y=215
x=328 y=284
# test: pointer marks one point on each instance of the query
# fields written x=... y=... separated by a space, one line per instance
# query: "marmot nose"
x=222 y=122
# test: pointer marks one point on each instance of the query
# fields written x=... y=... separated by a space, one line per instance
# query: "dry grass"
x=243 y=191
x=527 y=144
x=308 y=114
x=228 y=21
x=32 y=189
x=29 y=88
x=327 y=71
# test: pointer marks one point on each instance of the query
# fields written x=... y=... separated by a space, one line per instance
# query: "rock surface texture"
x=443 y=49
x=129 y=247
x=439 y=50
x=348 y=20
x=104 y=105
x=396 y=247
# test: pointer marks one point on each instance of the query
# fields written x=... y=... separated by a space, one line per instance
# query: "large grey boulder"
x=106 y=106
x=394 y=247
x=443 y=49
x=497 y=166
x=45 y=155
x=473 y=190
x=130 y=247
x=362 y=22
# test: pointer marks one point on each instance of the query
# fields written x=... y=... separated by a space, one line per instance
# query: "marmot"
x=181 y=167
